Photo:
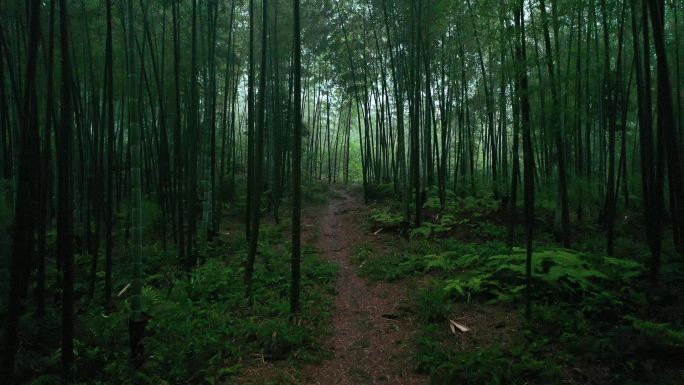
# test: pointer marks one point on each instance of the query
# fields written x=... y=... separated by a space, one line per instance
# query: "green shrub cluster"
x=201 y=329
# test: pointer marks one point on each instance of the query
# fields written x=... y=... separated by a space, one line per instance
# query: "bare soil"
x=371 y=339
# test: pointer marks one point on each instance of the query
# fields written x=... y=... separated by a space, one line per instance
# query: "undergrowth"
x=595 y=318
x=201 y=330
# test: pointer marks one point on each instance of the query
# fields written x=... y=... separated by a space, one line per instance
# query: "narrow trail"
x=371 y=342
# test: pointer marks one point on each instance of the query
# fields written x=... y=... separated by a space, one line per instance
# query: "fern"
x=387 y=219
x=662 y=332
x=432 y=203
x=437 y=262
x=423 y=231
x=560 y=270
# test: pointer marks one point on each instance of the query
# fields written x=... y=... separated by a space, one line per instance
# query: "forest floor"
x=372 y=338
x=442 y=304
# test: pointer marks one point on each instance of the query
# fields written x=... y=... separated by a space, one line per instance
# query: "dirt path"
x=370 y=341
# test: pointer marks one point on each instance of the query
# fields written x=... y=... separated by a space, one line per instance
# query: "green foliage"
x=204 y=326
x=557 y=272
x=495 y=365
x=386 y=219
x=641 y=352
x=5 y=220
x=232 y=330
x=200 y=329
x=428 y=229
x=381 y=192
x=420 y=256
x=558 y=323
x=460 y=216
x=424 y=231
x=659 y=333
x=277 y=338
x=432 y=203
x=474 y=206
x=432 y=353
x=151 y=216
x=315 y=193
x=580 y=299
x=587 y=308
x=390 y=266
x=490 y=364
x=432 y=303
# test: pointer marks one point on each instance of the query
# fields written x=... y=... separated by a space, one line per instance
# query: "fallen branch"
x=123 y=290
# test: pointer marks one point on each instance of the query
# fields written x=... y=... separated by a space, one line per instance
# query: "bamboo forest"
x=342 y=192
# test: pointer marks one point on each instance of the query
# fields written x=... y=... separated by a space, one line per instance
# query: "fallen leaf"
x=455 y=325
